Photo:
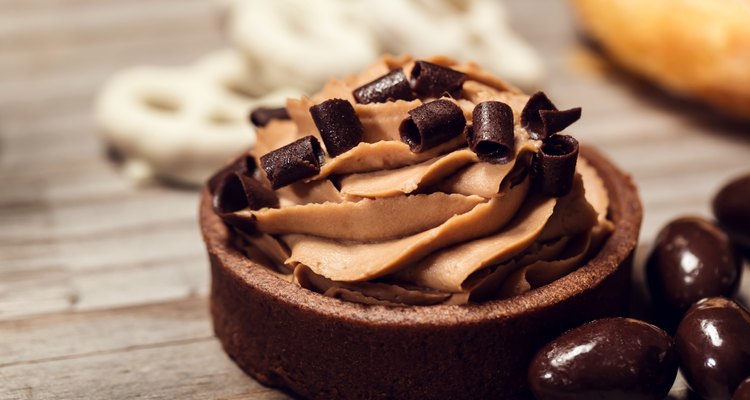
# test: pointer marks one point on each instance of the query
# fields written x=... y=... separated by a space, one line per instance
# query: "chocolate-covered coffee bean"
x=743 y=390
x=692 y=259
x=732 y=209
x=614 y=358
x=713 y=347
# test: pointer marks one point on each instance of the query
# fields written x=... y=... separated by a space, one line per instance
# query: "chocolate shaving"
x=491 y=135
x=237 y=191
x=389 y=87
x=542 y=119
x=338 y=124
x=261 y=116
x=432 y=124
x=555 y=121
x=244 y=164
x=298 y=160
x=432 y=80
x=555 y=165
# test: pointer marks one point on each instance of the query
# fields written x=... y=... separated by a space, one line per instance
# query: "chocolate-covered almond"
x=732 y=209
x=713 y=346
x=743 y=390
x=614 y=358
x=691 y=259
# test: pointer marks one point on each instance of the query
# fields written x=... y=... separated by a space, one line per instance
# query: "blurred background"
x=113 y=112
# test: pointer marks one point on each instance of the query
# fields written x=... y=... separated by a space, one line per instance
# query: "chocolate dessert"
x=418 y=230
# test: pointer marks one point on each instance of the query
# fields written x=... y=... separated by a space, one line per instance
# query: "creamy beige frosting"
x=383 y=225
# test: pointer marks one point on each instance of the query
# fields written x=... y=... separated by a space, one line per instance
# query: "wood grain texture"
x=103 y=284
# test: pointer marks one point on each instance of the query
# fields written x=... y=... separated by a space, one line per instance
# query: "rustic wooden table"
x=103 y=284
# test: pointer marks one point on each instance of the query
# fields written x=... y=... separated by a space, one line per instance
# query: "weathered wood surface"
x=103 y=285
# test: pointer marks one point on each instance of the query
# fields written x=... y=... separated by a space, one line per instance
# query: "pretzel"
x=301 y=42
x=476 y=30
x=304 y=42
x=180 y=124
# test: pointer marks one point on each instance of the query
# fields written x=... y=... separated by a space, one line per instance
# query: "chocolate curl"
x=542 y=119
x=244 y=164
x=555 y=165
x=298 y=160
x=389 y=87
x=237 y=191
x=432 y=124
x=432 y=80
x=491 y=135
x=338 y=124
x=556 y=121
x=261 y=116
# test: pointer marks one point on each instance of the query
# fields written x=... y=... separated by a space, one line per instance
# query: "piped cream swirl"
x=381 y=224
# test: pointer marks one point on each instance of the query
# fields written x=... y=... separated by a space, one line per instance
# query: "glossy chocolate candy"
x=692 y=259
x=732 y=209
x=614 y=358
x=713 y=346
x=743 y=390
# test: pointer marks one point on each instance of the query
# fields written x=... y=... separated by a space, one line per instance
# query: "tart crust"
x=320 y=347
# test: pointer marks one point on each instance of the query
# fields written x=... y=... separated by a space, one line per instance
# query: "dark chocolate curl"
x=391 y=86
x=244 y=164
x=338 y=124
x=542 y=119
x=531 y=119
x=261 y=116
x=432 y=80
x=555 y=165
x=432 y=124
x=237 y=191
x=555 y=121
x=491 y=135
x=298 y=160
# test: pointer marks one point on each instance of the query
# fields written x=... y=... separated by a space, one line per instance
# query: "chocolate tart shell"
x=324 y=348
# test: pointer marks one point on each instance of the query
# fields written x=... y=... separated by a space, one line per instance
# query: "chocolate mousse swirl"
x=416 y=183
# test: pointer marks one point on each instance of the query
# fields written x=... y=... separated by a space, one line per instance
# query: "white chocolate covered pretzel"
x=476 y=30
x=304 y=42
x=180 y=124
x=300 y=42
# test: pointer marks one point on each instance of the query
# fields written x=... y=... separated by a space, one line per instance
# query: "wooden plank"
x=103 y=284
x=192 y=369
x=56 y=288
x=79 y=334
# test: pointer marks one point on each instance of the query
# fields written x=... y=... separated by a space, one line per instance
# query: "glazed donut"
x=180 y=124
x=475 y=30
x=696 y=48
x=300 y=42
